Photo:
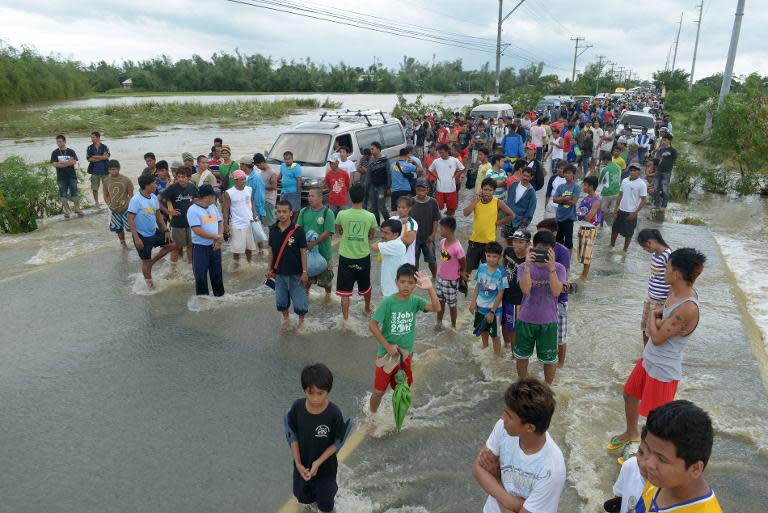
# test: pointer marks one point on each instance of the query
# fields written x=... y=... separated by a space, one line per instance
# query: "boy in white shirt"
x=631 y=200
x=521 y=468
x=630 y=483
x=392 y=252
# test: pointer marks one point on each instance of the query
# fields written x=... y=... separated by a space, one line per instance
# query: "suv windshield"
x=487 y=114
x=636 y=120
x=307 y=149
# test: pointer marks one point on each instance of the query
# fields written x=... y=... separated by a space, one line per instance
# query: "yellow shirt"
x=620 y=162
x=705 y=504
x=484 y=223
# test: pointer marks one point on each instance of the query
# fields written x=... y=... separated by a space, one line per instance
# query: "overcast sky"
x=633 y=33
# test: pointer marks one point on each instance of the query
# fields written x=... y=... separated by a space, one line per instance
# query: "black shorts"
x=623 y=225
x=153 y=241
x=321 y=490
x=351 y=271
x=565 y=233
x=475 y=255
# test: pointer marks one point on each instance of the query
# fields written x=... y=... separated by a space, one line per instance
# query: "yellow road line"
x=357 y=436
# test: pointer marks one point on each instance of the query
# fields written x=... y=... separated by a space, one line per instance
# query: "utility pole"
x=498 y=41
x=725 y=88
x=677 y=42
x=599 y=72
x=576 y=54
x=695 y=46
x=621 y=74
x=728 y=75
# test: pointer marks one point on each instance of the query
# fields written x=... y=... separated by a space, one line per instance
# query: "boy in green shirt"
x=609 y=185
x=394 y=327
x=320 y=219
x=355 y=226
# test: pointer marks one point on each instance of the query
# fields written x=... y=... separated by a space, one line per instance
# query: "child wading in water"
x=452 y=266
x=315 y=428
x=394 y=327
x=489 y=292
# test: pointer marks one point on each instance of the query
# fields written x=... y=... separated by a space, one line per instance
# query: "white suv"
x=637 y=121
x=311 y=142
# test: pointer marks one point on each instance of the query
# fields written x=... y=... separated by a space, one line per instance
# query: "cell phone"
x=540 y=255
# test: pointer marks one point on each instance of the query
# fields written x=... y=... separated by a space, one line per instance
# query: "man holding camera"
x=541 y=281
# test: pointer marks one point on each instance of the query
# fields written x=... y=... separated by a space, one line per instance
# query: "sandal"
x=630 y=451
x=79 y=213
x=617 y=443
x=66 y=215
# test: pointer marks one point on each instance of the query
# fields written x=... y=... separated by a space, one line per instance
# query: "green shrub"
x=747 y=184
x=27 y=193
x=686 y=177
x=717 y=181
x=693 y=221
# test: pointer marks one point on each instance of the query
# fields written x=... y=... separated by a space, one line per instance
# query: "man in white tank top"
x=239 y=213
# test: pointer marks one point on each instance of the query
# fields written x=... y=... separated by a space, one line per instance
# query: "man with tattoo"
x=653 y=382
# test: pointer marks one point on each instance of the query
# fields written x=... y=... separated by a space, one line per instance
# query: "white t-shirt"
x=537 y=135
x=445 y=170
x=557 y=153
x=519 y=191
x=240 y=210
x=498 y=134
x=538 y=478
x=632 y=191
x=629 y=485
x=348 y=166
x=607 y=145
x=557 y=182
x=597 y=133
x=392 y=257
x=411 y=226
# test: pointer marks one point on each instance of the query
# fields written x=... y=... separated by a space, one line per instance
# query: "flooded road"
x=117 y=399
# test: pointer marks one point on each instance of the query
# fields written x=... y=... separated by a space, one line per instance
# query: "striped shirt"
x=658 y=289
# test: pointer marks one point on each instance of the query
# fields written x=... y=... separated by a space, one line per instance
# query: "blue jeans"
x=377 y=202
x=661 y=183
x=641 y=155
x=288 y=288
x=67 y=184
x=205 y=262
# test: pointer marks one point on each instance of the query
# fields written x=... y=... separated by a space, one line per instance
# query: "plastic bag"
x=258 y=232
x=316 y=263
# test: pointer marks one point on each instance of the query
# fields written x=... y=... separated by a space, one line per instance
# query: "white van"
x=312 y=142
x=493 y=110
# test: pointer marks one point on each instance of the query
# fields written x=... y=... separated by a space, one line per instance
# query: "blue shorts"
x=509 y=313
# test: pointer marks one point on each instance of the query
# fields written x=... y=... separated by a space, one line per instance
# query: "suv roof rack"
x=355 y=114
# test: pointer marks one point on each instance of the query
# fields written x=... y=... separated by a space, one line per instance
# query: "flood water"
x=115 y=398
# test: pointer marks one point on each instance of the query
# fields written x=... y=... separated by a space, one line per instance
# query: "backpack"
x=538 y=176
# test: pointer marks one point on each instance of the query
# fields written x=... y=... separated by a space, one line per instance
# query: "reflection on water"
x=115 y=400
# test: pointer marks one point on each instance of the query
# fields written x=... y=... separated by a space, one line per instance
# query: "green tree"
x=673 y=80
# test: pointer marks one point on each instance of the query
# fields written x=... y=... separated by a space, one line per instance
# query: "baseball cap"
x=530 y=146
x=422 y=182
x=388 y=363
x=635 y=165
x=238 y=175
x=333 y=158
x=225 y=147
x=205 y=190
x=246 y=160
x=520 y=234
x=187 y=156
x=176 y=164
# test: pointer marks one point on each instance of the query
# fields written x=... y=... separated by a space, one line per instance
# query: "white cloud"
x=631 y=33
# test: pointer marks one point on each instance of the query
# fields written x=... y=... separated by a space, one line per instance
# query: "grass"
x=693 y=221
x=120 y=120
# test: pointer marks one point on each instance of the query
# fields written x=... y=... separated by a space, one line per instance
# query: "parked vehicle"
x=311 y=142
x=638 y=120
x=493 y=110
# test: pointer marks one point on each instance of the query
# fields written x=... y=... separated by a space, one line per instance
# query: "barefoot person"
x=97 y=155
x=393 y=325
x=148 y=227
x=64 y=160
x=118 y=190
x=239 y=212
x=288 y=264
x=355 y=226
x=651 y=241
x=653 y=382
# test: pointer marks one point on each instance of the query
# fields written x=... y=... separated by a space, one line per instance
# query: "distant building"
x=127 y=84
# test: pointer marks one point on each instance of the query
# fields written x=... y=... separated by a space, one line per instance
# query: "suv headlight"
x=313 y=182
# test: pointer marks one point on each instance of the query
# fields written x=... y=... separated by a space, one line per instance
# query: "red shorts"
x=382 y=379
x=448 y=200
x=652 y=393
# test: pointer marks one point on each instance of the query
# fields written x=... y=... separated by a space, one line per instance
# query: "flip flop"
x=66 y=215
x=630 y=450
x=617 y=443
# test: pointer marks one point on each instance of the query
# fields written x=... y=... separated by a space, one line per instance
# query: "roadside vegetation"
x=28 y=192
x=120 y=120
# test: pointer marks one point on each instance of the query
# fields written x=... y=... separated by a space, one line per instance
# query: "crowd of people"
x=518 y=293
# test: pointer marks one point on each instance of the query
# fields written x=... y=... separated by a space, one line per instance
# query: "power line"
x=331 y=17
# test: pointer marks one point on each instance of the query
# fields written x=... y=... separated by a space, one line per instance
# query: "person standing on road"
x=207 y=236
x=667 y=156
x=631 y=200
x=97 y=155
x=239 y=213
x=64 y=160
x=378 y=183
